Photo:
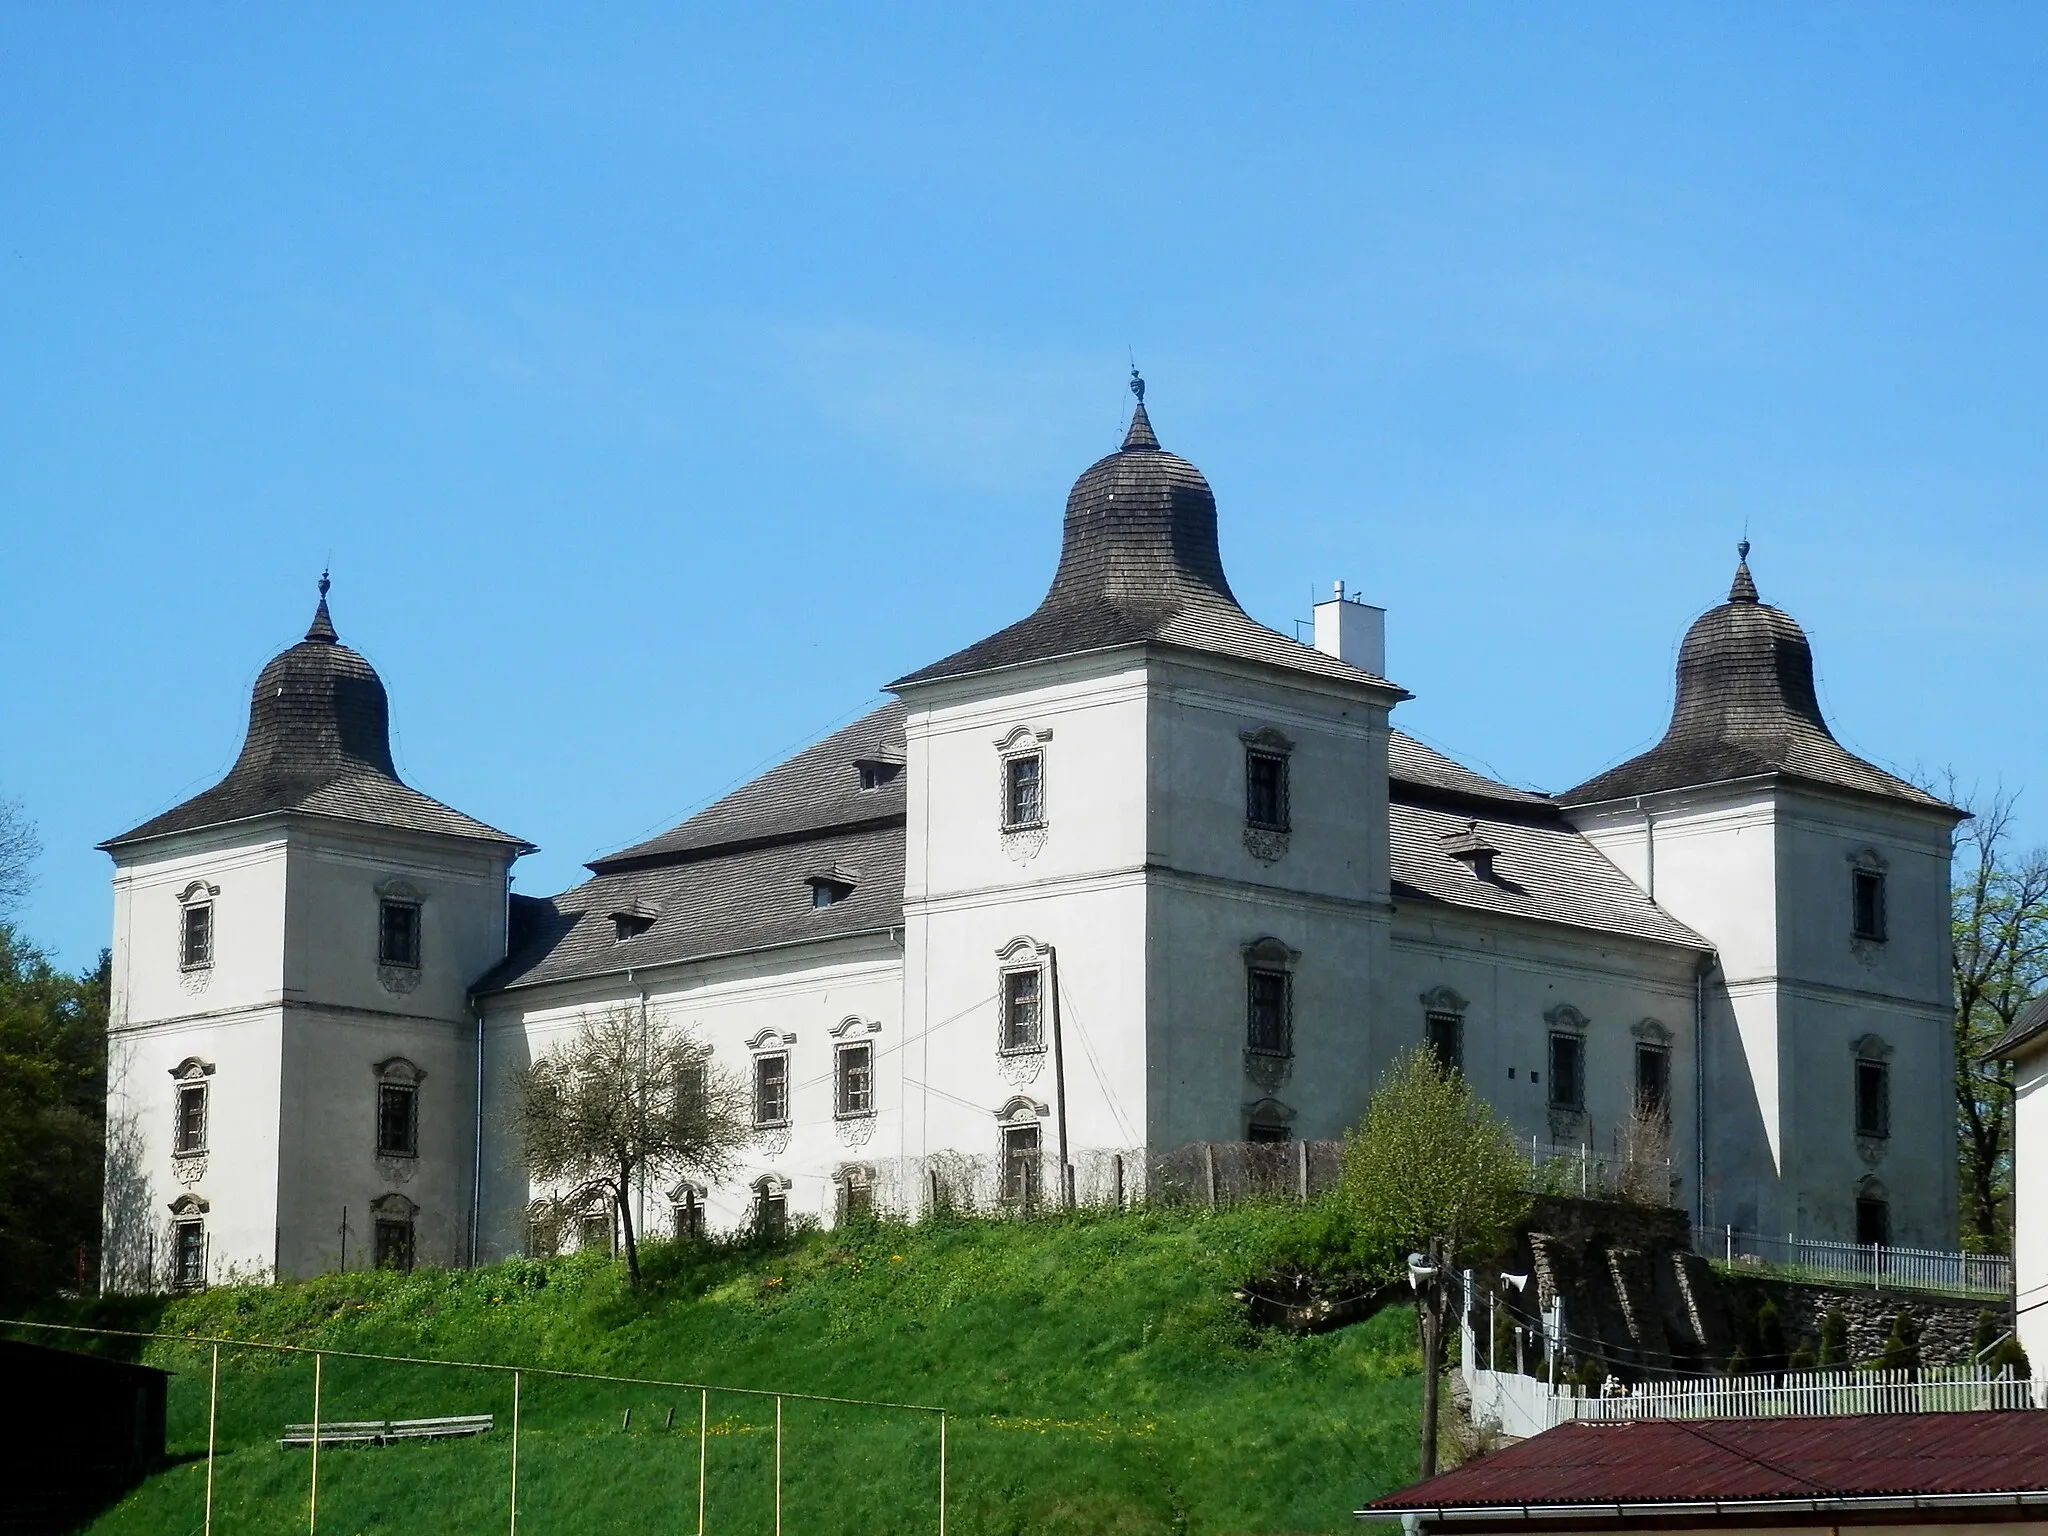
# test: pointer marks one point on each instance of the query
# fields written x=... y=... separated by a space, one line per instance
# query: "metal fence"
x=1878 y=1266
x=267 y=1423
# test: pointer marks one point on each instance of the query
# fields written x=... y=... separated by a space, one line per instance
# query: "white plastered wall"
x=1762 y=870
x=835 y=991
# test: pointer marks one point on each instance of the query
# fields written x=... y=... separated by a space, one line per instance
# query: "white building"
x=1133 y=872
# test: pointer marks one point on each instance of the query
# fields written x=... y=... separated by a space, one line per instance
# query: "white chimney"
x=1352 y=631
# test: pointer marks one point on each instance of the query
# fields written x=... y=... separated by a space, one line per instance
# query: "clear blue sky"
x=660 y=383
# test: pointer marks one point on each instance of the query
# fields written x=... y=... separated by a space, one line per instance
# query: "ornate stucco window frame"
x=771 y=1136
x=197 y=896
x=1023 y=955
x=1442 y=1004
x=188 y=1160
x=1267 y=838
x=1265 y=1066
x=1567 y=1117
x=853 y=1127
x=397 y=1075
x=1023 y=839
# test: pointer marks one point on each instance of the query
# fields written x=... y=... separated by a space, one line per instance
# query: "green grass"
x=1099 y=1375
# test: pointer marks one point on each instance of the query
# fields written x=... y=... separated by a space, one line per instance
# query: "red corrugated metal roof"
x=1643 y=1461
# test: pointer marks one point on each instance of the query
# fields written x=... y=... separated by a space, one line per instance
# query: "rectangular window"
x=398 y=933
x=1445 y=1033
x=1021 y=1013
x=856 y=1079
x=1024 y=790
x=1567 y=1072
x=771 y=1089
x=1265 y=790
x=689 y=1215
x=190 y=1134
x=1266 y=1011
x=196 y=948
x=692 y=1089
x=1867 y=897
x=188 y=1255
x=1021 y=1165
x=1653 y=1079
x=393 y=1244
x=1873 y=1099
x=1873 y=1223
x=398 y=1123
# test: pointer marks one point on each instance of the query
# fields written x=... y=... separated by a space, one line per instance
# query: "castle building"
x=1131 y=873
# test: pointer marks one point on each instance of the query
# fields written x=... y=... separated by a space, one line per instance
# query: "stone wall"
x=1639 y=1301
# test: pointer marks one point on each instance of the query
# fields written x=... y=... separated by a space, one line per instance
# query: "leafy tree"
x=1901 y=1345
x=1834 y=1340
x=1433 y=1171
x=627 y=1098
x=53 y=1092
x=1999 y=923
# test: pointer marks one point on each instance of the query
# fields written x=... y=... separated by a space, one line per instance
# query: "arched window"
x=391 y=1242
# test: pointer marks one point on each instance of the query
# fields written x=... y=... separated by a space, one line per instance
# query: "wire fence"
x=262 y=1437
x=1877 y=1266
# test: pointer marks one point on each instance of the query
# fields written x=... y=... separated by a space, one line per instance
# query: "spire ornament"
x=322 y=627
x=1743 y=588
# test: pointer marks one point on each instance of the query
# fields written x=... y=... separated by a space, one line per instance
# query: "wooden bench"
x=386 y=1431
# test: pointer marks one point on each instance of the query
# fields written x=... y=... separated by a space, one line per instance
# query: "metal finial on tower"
x=1137 y=384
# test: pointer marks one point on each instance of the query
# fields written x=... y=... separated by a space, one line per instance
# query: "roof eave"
x=1645 y=1509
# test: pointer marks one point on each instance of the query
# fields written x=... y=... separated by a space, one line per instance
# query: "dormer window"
x=877 y=771
x=630 y=925
x=1471 y=849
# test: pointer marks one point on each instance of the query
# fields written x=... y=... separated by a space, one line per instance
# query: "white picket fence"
x=1525 y=1405
x=1877 y=1266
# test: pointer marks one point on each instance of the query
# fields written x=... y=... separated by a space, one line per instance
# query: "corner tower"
x=1822 y=882
x=291 y=1036
x=1141 y=821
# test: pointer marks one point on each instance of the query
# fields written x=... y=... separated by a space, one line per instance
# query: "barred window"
x=1567 y=1072
x=195 y=949
x=1444 y=1033
x=190 y=1132
x=1266 y=1011
x=398 y=1120
x=398 y=933
x=1022 y=1013
x=771 y=1089
x=1023 y=790
x=856 y=1079
x=188 y=1255
x=1265 y=789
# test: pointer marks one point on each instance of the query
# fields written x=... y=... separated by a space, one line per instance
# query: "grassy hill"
x=1100 y=1378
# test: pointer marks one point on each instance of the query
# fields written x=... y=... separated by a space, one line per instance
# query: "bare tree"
x=1999 y=923
x=628 y=1097
x=1642 y=1144
x=19 y=850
